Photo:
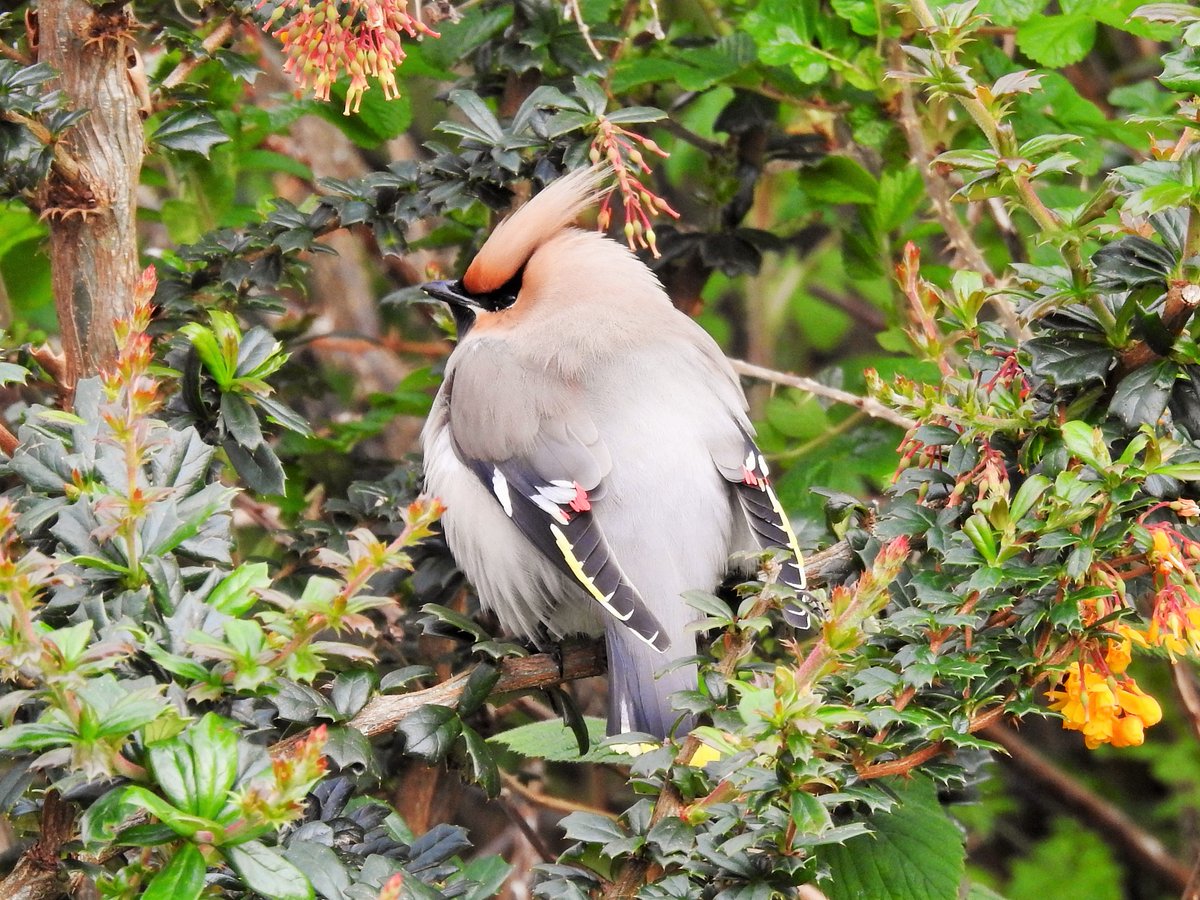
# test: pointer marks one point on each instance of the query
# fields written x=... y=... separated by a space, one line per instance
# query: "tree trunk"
x=90 y=200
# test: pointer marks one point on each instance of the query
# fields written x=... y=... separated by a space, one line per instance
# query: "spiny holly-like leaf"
x=1069 y=361
x=192 y=130
x=431 y=731
x=1142 y=395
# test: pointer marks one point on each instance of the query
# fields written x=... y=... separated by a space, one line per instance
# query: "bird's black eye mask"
x=504 y=296
x=456 y=294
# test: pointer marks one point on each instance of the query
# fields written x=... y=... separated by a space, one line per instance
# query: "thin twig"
x=577 y=15
x=14 y=54
x=1090 y=809
x=940 y=197
x=857 y=306
x=868 y=405
x=8 y=441
x=712 y=148
x=558 y=804
x=535 y=840
x=905 y=764
x=212 y=43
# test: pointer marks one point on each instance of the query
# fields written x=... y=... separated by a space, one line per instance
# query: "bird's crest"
x=514 y=240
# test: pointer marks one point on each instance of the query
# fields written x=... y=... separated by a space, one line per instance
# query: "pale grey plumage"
x=591 y=385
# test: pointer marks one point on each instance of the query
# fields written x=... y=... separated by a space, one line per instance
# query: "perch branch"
x=382 y=714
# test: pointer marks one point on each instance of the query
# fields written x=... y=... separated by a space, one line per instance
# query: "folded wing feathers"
x=769 y=521
x=555 y=517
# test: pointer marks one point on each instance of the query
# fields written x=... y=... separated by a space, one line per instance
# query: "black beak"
x=452 y=292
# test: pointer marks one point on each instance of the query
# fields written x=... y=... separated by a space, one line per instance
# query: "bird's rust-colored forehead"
x=517 y=237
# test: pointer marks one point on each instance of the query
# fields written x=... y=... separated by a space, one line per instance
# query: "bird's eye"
x=504 y=296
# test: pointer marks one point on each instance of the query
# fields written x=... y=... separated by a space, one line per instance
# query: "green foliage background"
x=986 y=216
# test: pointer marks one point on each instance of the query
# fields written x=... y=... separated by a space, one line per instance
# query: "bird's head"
x=530 y=246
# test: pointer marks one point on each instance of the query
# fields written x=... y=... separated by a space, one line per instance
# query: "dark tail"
x=637 y=700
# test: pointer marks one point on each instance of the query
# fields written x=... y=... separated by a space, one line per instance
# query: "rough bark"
x=37 y=874
x=90 y=204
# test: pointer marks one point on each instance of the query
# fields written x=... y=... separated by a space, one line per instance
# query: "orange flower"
x=1106 y=709
x=1119 y=653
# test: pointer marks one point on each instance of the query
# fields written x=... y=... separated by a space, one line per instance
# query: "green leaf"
x=1028 y=495
x=350 y=692
x=483 y=763
x=1010 y=12
x=234 y=595
x=240 y=421
x=430 y=732
x=268 y=873
x=672 y=835
x=554 y=741
x=402 y=677
x=708 y=604
x=180 y=822
x=478 y=687
x=489 y=874
x=839 y=179
x=1181 y=71
x=174 y=772
x=478 y=115
x=191 y=130
x=181 y=879
x=104 y=817
x=591 y=827
x=11 y=373
x=321 y=866
x=1086 y=443
x=1057 y=41
x=914 y=853
x=1141 y=397
x=284 y=415
x=215 y=751
x=1070 y=361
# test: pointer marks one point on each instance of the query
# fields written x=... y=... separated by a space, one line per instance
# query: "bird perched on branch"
x=591 y=446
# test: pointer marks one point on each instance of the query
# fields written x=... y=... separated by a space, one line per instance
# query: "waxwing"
x=591 y=446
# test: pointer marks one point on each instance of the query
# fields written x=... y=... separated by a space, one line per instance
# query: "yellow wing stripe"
x=786 y=524
x=568 y=552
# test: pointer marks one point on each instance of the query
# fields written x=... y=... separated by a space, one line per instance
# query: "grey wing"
x=539 y=454
x=749 y=474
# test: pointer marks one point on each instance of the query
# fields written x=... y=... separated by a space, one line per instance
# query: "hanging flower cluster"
x=1098 y=699
x=621 y=148
x=1096 y=696
x=1175 y=621
x=322 y=37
